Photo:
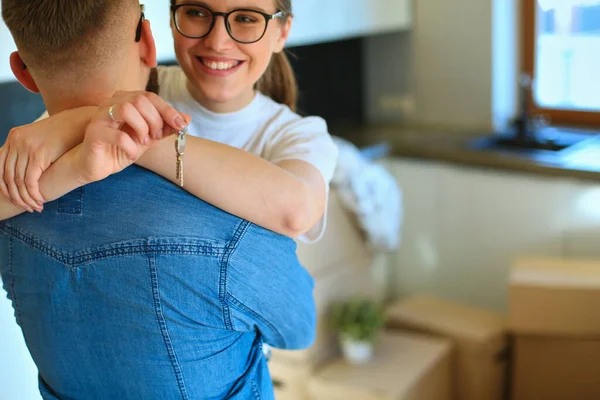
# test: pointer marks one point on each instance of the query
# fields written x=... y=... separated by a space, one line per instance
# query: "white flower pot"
x=356 y=352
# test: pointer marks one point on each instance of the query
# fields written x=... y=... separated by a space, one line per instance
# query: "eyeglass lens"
x=243 y=26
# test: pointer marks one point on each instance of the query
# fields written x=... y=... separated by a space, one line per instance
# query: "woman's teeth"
x=220 y=65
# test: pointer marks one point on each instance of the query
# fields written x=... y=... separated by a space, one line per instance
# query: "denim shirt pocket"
x=71 y=203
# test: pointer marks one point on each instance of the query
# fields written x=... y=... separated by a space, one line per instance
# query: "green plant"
x=358 y=318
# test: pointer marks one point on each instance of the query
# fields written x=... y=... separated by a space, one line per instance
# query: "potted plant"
x=357 y=321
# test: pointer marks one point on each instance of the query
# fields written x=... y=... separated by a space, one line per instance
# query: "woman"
x=250 y=154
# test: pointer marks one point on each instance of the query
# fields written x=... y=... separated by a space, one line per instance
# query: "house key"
x=180 y=149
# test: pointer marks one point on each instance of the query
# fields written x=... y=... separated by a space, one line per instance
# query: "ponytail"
x=279 y=81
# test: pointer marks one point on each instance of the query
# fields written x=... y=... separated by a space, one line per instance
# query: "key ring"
x=181 y=141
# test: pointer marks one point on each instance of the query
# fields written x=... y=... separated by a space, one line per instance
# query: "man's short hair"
x=60 y=35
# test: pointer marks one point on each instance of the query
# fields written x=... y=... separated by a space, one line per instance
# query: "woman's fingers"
x=9 y=178
x=150 y=114
x=3 y=155
x=32 y=180
x=173 y=119
x=124 y=142
x=160 y=118
x=20 y=173
x=127 y=114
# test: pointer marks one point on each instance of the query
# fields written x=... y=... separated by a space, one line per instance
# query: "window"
x=562 y=52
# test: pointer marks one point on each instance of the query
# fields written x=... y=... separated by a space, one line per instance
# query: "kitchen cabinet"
x=486 y=220
x=464 y=226
x=417 y=260
x=317 y=21
x=582 y=230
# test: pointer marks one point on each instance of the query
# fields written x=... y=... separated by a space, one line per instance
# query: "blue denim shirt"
x=131 y=288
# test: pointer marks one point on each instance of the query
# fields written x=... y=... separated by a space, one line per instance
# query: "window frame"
x=557 y=116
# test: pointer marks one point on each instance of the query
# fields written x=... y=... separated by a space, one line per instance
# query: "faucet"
x=522 y=122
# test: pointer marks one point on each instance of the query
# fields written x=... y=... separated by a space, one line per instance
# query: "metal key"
x=180 y=149
x=179 y=174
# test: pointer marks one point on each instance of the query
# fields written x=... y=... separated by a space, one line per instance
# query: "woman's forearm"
x=58 y=180
x=238 y=182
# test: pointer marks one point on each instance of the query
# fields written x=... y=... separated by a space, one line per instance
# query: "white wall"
x=7 y=46
x=18 y=373
x=158 y=13
x=443 y=72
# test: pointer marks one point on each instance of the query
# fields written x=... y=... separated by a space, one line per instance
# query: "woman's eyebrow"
x=195 y=3
x=253 y=8
x=242 y=7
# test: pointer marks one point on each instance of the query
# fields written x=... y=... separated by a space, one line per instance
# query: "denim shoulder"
x=269 y=290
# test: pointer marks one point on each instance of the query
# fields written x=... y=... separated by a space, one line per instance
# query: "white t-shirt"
x=265 y=128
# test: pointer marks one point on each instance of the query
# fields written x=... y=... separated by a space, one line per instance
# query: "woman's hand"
x=29 y=150
x=109 y=145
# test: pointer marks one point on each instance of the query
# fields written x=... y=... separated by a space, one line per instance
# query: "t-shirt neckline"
x=242 y=116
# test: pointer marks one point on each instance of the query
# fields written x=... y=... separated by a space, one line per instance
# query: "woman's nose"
x=218 y=39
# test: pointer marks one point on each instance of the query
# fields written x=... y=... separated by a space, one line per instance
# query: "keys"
x=180 y=149
x=179 y=173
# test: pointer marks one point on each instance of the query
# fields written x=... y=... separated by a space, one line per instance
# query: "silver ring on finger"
x=111 y=113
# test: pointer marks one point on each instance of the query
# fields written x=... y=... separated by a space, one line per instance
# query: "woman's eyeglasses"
x=243 y=25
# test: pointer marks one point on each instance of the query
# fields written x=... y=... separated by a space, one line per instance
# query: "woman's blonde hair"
x=279 y=81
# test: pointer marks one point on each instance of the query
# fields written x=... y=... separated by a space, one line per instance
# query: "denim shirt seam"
x=112 y=250
x=255 y=390
x=236 y=303
x=164 y=329
x=238 y=234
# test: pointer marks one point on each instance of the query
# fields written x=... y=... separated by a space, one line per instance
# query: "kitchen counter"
x=452 y=147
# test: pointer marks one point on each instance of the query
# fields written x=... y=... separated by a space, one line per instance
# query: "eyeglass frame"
x=225 y=15
x=138 y=31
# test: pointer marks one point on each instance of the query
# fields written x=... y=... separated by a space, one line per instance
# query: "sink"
x=546 y=142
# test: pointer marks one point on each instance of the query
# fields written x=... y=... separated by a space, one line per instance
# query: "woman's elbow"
x=303 y=213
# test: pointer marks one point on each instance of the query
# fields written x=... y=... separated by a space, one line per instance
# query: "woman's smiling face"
x=222 y=72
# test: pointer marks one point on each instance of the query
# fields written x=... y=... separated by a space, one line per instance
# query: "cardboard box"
x=353 y=277
x=405 y=367
x=290 y=380
x=555 y=297
x=550 y=368
x=554 y=313
x=342 y=242
x=480 y=355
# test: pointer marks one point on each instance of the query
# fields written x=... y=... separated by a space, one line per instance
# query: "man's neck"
x=58 y=104
x=58 y=100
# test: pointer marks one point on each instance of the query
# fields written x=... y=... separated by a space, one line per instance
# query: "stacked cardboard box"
x=405 y=367
x=341 y=267
x=554 y=314
x=480 y=354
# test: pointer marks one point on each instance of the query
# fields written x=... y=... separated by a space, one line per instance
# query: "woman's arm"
x=31 y=149
x=61 y=178
x=107 y=148
x=288 y=198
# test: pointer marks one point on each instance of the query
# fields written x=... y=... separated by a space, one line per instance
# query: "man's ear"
x=21 y=72
x=148 y=46
x=284 y=34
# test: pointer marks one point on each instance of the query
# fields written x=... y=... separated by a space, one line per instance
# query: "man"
x=129 y=287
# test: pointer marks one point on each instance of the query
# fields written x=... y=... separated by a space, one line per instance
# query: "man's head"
x=79 y=49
